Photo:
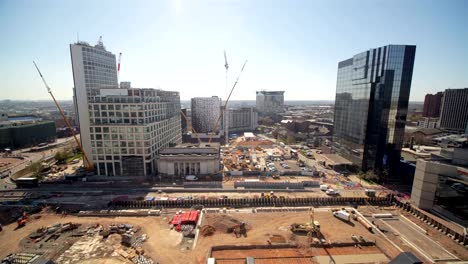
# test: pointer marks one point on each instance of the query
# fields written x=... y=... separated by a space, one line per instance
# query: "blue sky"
x=178 y=45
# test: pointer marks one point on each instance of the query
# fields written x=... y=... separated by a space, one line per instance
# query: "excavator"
x=22 y=220
x=312 y=228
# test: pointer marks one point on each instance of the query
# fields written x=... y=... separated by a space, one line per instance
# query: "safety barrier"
x=269 y=185
x=457 y=236
x=254 y=202
x=210 y=184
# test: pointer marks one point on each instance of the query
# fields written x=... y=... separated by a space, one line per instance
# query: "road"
x=417 y=239
x=30 y=157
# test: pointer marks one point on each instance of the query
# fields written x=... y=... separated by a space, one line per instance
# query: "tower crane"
x=225 y=103
x=89 y=164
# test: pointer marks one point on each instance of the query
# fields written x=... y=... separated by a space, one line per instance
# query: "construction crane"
x=89 y=165
x=193 y=129
x=225 y=103
x=118 y=66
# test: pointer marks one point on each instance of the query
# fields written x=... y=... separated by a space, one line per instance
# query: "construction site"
x=331 y=233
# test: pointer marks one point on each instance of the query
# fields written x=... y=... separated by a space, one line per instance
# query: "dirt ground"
x=265 y=225
x=160 y=241
x=6 y=162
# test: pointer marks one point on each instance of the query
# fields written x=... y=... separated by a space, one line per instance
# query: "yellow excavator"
x=312 y=228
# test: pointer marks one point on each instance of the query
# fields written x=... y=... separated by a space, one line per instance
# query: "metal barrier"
x=459 y=237
x=254 y=202
x=269 y=185
x=211 y=184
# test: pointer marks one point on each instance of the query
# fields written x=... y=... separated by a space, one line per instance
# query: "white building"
x=189 y=159
x=428 y=122
x=242 y=119
x=122 y=129
x=270 y=102
x=205 y=113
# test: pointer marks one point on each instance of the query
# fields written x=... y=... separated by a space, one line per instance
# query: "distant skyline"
x=178 y=45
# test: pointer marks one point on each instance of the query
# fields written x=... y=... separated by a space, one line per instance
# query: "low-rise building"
x=422 y=136
x=428 y=122
x=189 y=159
x=19 y=132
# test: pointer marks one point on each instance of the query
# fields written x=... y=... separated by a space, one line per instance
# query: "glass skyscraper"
x=371 y=105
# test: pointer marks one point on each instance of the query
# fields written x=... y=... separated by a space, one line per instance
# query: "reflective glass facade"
x=371 y=104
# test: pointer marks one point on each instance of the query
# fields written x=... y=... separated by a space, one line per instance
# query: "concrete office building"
x=242 y=119
x=189 y=159
x=205 y=113
x=454 y=110
x=441 y=184
x=270 y=102
x=371 y=105
x=122 y=129
x=432 y=104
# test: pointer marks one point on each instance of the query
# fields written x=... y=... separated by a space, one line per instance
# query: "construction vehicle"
x=22 y=220
x=343 y=215
x=240 y=230
x=312 y=228
x=88 y=163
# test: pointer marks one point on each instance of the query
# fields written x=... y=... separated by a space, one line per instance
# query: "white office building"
x=205 y=113
x=122 y=129
x=270 y=102
x=242 y=119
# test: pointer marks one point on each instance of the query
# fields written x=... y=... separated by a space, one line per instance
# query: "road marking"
x=409 y=243
x=411 y=225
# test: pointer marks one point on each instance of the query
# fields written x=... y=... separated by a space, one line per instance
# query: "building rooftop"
x=191 y=149
x=428 y=131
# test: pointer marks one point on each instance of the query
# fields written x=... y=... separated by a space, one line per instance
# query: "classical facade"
x=189 y=159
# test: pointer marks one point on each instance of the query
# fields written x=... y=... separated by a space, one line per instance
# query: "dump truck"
x=343 y=215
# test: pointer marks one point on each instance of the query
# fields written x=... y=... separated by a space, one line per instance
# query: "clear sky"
x=178 y=45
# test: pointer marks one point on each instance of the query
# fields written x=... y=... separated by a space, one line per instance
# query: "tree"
x=36 y=168
x=61 y=156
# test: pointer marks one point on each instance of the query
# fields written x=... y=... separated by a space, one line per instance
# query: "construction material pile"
x=185 y=222
x=223 y=224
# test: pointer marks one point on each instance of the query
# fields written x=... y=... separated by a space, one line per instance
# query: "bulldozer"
x=311 y=228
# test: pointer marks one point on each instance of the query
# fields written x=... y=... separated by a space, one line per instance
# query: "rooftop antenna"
x=77 y=37
x=100 y=42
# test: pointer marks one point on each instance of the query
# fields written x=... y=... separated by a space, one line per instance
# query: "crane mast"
x=89 y=164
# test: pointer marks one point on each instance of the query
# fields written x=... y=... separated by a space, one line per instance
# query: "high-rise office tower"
x=122 y=129
x=454 y=110
x=432 y=103
x=371 y=105
x=205 y=113
x=270 y=102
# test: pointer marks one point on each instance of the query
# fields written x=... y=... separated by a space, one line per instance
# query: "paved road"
x=418 y=239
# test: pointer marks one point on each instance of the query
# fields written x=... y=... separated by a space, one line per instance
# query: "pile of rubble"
x=52 y=232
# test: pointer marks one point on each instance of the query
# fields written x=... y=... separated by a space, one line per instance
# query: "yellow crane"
x=88 y=163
